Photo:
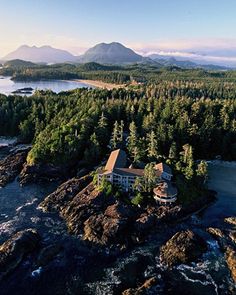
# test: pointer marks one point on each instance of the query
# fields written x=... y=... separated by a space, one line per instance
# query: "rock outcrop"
x=47 y=254
x=227 y=242
x=14 y=249
x=106 y=220
x=112 y=226
x=231 y=220
x=147 y=288
x=100 y=219
x=226 y=238
x=11 y=166
x=64 y=194
x=230 y=255
x=183 y=247
x=43 y=172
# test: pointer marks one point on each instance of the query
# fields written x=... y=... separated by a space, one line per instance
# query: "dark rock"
x=232 y=236
x=147 y=288
x=11 y=166
x=231 y=261
x=226 y=239
x=183 y=247
x=14 y=249
x=166 y=214
x=47 y=254
x=216 y=232
x=125 y=273
x=145 y=222
x=119 y=211
x=42 y=172
x=104 y=230
x=230 y=220
x=105 y=220
x=82 y=172
x=111 y=227
x=222 y=236
x=86 y=203
x=64 y=194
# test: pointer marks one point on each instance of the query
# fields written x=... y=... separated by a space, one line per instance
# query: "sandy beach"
x=101 y=84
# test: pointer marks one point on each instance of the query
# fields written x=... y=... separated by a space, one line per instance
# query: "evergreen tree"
x=150 y=177
x=102 y=131
x=93 y=153
x=121 y=132
x=115 y=136
x=133 y=143
x=152 y=148
x=202 y=170
x=187 y=157
x=173 y=151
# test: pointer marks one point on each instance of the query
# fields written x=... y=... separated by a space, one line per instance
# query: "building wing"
x=117 y=159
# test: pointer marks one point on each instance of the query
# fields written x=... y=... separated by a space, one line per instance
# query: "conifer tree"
x=102 y=131
x=132 y=138
x=173 y=151
x=152 y=148
x=202 y=170
x=115 y=136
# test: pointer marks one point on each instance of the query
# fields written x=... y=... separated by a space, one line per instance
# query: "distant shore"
x=101 y=84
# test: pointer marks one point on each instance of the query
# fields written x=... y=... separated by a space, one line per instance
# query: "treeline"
x=22 y=71
x=143 y=73
x=80 y=125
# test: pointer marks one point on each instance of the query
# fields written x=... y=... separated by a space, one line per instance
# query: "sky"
x=192 y=26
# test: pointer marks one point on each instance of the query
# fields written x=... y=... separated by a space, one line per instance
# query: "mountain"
x=44 y=54
x=112 y=53
x=190 y=62
x=19 y=63
x=167 y=61
x=107 y=54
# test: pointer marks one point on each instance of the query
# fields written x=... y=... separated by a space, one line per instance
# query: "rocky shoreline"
x=109 y=227
x=42 y=173
x=107 y=221
x=15 y=249
x=227 y=240
x=11 y=166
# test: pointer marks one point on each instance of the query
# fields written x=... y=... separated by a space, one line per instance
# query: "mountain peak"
x=110 y=53
x=36 y=54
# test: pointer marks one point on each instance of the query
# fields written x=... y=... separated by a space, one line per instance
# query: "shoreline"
x=100 y=84
x=222 y=163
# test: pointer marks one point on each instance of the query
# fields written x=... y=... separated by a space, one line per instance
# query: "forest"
x=71 y=125
x=177 y=121
x=141 y=72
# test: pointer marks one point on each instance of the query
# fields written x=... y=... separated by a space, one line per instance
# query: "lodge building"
x=119 y=174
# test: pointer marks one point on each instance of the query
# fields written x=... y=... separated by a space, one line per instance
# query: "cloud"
x=218 y=51
x=186 y=44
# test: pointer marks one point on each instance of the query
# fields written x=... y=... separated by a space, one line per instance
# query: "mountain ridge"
x=113 y=53
x=43 y=54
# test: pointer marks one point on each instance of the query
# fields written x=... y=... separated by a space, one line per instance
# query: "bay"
x=7 y=86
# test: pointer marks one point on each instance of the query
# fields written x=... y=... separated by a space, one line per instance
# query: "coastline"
x=100 y=84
